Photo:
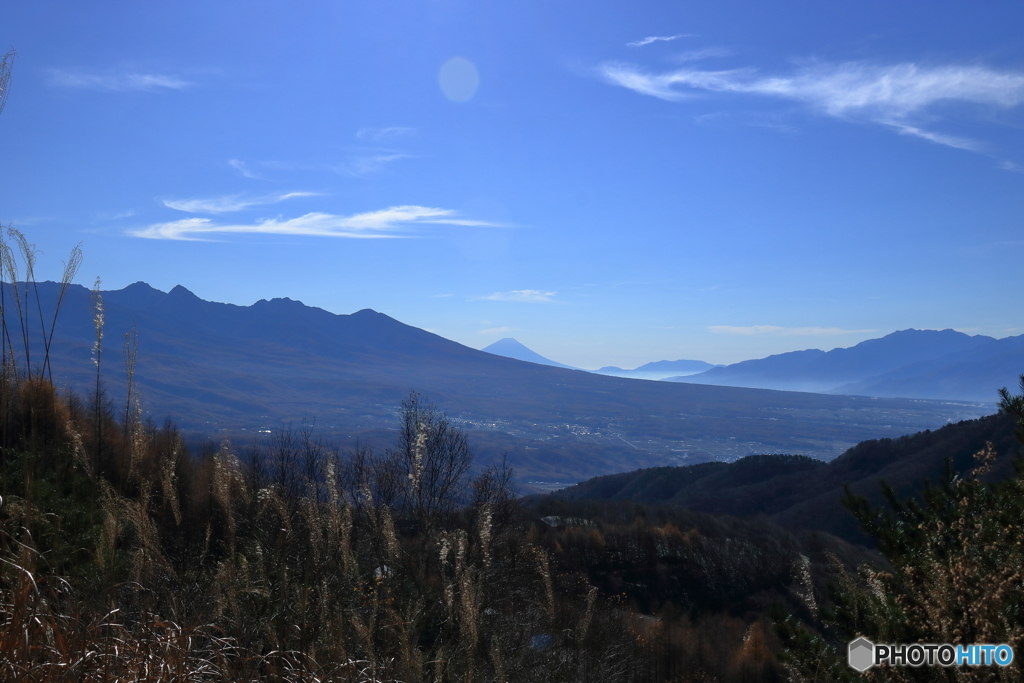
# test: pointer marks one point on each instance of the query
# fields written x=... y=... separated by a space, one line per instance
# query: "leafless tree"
x=495 y=490
x=434 y=461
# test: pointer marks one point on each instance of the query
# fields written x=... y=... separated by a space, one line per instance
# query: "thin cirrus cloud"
x=497 y=330
x=530 y=296
x=893 y=95
x=369 y=161
x=358 y=165
x=384 y=133
x=777 y=331
x=392 y=222
x=656 y=39
x=116 y=82
x=244 y=169
x=704 y=53
x=230 y=203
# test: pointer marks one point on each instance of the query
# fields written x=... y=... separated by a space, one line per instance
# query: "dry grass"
x=208 y=569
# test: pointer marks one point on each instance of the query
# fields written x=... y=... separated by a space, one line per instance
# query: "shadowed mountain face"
x=912 y=363
x=510 y=348
x=964 y=375
x=220 y=369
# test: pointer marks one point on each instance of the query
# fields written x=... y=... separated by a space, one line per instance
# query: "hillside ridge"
x=802 y=493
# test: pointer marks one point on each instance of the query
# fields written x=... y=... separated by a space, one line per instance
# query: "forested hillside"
x=801 y=493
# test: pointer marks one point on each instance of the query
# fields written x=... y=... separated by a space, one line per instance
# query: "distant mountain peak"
x=511 y=348
x=141 y=286
x=179 y=291
x=509 y=342
x=286 y=301
x=142 y=294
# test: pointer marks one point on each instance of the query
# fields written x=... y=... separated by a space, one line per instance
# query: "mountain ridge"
x=659 y=369
x=888 y=366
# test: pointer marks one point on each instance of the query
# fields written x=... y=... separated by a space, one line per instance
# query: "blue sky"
x=609 y=183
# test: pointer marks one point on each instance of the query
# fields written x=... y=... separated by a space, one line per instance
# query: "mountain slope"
x=821 y=371
x=802 y=493
x=964 y=375
x=221 y=369
x=510 y=348
x=675 y=366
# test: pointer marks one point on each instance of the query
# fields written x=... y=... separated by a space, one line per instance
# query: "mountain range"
x=659 y=369
x=930 y=364
x=221 y=370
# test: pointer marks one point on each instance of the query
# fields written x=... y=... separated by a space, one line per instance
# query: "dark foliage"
x=955 y=564
x=803 y=494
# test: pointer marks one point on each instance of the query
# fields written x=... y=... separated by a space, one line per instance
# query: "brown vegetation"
x=124 y=557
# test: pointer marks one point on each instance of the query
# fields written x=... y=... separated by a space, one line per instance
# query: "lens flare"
x=458 y=79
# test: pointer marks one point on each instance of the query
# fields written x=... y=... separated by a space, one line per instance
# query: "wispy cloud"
x=497 y=330
x=776 y=331
x=113 y=216
x=360 y=163
x=940 y=138
x=385 y=133
x=892 y=95
x=363 y=164
x=655 y=39
x=244 y=169
x=393 y=222
x=116 y=82
x=532 y=296
x=235 y=202
x=697 y=55
x=755 y=119
x=372 y=159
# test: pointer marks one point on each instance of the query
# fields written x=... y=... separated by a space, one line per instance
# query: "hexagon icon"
x=862 y=654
